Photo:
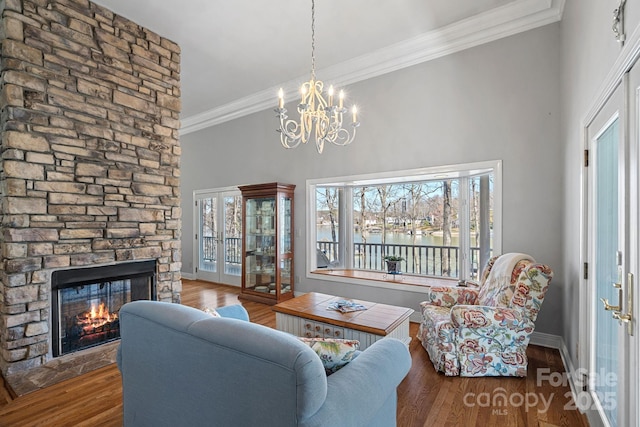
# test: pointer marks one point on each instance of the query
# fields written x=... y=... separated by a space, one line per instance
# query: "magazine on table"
x=345 y=306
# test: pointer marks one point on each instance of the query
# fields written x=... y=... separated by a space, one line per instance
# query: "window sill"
x=404 y=282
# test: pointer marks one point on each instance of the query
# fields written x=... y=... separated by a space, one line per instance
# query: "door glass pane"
x=208 y=234
x=233 y=235
x=606 y=267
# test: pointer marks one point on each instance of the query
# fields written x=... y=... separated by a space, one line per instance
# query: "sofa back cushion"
x=213 y=371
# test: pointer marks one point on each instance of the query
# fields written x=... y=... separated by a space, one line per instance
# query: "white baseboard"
x=557 y=342
x=547 y=340
x=188 y=276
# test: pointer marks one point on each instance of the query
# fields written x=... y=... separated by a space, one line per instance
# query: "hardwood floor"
x=425 y=397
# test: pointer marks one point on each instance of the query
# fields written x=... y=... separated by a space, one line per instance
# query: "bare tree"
x=233 y=216
x=328 y=199
x=363 y=215
x=475 y=210
x=415 y=193
x=385 y=196
x=331 y=200
x=446 y=226
x=360 y=196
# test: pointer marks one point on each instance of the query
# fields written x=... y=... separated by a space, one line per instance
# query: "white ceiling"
x=235 y=54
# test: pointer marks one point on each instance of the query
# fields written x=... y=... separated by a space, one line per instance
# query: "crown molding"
x=501 y=22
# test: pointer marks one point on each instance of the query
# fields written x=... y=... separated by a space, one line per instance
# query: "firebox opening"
x=86 y=302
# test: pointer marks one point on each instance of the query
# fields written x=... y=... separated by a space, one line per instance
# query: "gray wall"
x=589 y=51
x=497 y=101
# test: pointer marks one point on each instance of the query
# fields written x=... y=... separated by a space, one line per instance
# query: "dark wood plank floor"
x=425 y=398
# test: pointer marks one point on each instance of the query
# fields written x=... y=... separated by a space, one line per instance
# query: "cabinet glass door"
x=285 y=231
x=260 y=254
x=285 y=225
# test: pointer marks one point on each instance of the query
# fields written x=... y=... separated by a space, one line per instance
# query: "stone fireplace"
x=89 y=165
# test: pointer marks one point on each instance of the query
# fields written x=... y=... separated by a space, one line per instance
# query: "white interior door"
x=218 y=240
x=612 y=364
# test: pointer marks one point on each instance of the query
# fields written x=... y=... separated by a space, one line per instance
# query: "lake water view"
x=391 y=237
x=422 y=255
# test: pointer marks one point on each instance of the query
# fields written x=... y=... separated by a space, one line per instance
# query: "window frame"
x=454 y=171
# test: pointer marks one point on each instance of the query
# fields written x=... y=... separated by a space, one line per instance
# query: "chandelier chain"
x=313 y=39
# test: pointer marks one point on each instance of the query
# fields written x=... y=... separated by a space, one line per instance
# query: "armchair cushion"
x=448 y=296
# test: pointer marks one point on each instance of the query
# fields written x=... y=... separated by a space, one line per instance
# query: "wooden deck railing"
x=418 y=259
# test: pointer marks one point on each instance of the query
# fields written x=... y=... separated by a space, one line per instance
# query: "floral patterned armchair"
x=484 y=330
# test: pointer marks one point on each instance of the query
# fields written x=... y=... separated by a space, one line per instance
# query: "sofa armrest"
x=448 y=296
x=236 y=311
x=357 y=392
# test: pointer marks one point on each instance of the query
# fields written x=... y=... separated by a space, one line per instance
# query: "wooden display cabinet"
x=267 y=244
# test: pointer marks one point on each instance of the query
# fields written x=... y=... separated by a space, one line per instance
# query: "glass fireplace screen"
x=85 y=312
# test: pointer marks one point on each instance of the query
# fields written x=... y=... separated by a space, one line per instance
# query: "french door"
x=218 y=239
x=610 y=375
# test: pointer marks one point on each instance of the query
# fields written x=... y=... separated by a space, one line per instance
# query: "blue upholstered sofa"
x=182 y=367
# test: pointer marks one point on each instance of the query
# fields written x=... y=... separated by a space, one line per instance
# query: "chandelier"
x=320 y=119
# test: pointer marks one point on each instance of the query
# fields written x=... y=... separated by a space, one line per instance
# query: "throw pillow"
x=211 y=311
x=334 y=353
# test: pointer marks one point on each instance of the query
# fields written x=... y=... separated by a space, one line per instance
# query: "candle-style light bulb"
x=280 y=98
x=303 y=92
x=341 y=99
x=354 y=110
x=330 y=95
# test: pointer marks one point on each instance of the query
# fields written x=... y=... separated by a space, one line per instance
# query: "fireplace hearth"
x=86 y=302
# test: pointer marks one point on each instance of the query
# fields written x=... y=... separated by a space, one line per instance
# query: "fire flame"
x=97 y=317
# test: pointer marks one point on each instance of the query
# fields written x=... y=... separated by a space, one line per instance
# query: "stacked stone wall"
x=89 y=158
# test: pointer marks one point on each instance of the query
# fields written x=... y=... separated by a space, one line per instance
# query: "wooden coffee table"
x=308 y=316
